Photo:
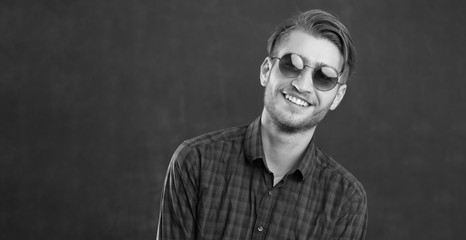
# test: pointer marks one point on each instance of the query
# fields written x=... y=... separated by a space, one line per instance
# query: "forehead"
x=313 y=50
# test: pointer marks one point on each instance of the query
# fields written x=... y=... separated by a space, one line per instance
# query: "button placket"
x=264 y=212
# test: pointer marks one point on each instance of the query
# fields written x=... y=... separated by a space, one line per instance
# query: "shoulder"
x=223 y=135
x=337 y=175
x=209 y=143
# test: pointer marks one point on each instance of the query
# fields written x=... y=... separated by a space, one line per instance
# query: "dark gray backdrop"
x=96 y=95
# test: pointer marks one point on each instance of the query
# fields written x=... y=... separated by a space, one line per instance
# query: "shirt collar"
x=254 y=150
x=304 y=167
x=253 y=141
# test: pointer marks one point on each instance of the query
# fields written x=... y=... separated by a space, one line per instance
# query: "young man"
x=268 y=180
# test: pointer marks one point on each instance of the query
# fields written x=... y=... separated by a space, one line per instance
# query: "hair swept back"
x=319 y=24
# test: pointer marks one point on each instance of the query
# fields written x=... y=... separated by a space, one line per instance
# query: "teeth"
x=296 y=101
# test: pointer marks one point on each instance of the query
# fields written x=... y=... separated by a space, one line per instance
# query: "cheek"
x=272 y=91
x=272 y=84
x=325 y=99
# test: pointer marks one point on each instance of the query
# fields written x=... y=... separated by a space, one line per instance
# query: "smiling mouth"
x=296 y=101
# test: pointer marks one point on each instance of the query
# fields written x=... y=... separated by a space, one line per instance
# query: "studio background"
x=96 y=95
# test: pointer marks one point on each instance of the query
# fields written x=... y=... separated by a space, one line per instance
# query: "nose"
x=304 y=82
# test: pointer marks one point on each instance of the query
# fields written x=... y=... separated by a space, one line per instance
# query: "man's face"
x=293 y=104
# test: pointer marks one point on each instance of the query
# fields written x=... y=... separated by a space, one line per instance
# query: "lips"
x=297 y=101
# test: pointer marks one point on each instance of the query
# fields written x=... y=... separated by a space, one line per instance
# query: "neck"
x=282 y=149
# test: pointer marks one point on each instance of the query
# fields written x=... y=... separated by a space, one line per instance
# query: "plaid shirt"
x=218 y=187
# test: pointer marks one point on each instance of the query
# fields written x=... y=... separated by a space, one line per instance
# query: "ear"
x=266 y=66
x=340 y=94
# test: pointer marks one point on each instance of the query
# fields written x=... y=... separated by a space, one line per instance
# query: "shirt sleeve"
x=352 y=223
x=177 y=219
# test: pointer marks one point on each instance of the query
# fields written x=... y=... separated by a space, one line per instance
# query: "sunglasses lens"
x=291 y=65
x=325 y=78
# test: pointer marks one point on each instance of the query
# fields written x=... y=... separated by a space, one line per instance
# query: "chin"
x=291 y=126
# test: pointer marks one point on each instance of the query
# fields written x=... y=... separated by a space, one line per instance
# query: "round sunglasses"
x=324 y=77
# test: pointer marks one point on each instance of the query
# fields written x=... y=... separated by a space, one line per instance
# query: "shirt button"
x=260 y=229
x=270 y=193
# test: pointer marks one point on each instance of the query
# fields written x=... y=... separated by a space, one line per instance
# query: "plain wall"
x=96 y=95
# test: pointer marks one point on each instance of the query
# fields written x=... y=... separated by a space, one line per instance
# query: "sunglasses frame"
x=313 y=71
